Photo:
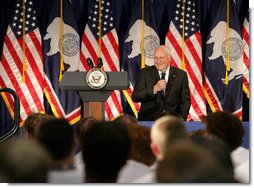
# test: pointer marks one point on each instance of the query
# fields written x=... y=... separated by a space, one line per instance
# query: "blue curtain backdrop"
x=122 y=10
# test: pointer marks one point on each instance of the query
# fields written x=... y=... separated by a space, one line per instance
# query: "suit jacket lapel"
x=155 y=74
x=171 y=79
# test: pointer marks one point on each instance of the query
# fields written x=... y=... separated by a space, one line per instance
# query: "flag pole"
x=24 y=41
x=142 y=36
x=227 y=44
x=99 y=47
x=183 y=38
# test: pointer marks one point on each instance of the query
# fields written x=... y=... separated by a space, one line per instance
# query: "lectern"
x=94 y=98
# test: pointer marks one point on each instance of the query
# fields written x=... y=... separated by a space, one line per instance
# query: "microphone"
x=90 y=62
x=99 y=62
x=163 y=74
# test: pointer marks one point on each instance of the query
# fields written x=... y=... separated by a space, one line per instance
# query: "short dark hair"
x=225 y=126
x=105 y=149
x=58 y=137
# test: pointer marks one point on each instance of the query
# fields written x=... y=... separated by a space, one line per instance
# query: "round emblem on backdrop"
x=235 y=48
x=70 y=44
x=96 y=78
x=150 y=43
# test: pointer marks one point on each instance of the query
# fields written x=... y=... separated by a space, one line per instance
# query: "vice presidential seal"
x=96 y=78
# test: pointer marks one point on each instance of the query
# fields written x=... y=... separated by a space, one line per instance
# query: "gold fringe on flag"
x=61 y=42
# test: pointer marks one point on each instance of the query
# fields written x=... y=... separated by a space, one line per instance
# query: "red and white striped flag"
x=184 y=40
x=245 y=32
x=107 y=48
x=21 y=66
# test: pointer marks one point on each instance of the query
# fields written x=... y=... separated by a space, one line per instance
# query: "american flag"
x=245 y=32
x=184 y=40
x=22 y=59
x=108 y=51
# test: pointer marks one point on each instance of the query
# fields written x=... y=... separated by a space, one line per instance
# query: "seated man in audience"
x=229 y=128
x=187 y=162
x=105 y=150
x=57 y=136
x=141 y=154
x=164 y=132
x=23 y=161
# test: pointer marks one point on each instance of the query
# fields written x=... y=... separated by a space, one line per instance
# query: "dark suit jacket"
x=176 y=99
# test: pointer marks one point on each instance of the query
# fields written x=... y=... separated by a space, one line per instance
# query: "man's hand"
x=159 y=86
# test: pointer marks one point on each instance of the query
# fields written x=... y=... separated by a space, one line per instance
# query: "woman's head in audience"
x=140 y=144
x=126 y=120
x=33 y=121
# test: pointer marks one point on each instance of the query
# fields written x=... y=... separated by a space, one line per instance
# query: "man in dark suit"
x=162 y=88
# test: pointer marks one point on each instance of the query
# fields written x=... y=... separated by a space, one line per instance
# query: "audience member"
x=23 y=161
x=218 y=149
x=141 y=156
x=229 y=128
x=164 y=132
x=81 y=127
x=105 y=150
x=57 y=136
x=126 y=120
x=33 y=121
x=186 y=162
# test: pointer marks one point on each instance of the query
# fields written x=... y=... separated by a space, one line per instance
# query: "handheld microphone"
x=163 y=74
x=90 y=62
x=99 y=62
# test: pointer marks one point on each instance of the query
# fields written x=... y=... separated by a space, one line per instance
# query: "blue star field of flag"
x=190 y=19
x=107 y=19
x=30 y=18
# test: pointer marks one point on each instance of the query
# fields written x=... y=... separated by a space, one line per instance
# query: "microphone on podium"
x=99 y=62
x=90 y=62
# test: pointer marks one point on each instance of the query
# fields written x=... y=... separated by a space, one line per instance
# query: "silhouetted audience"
x=229 y=128
x=186 y=162
x=165 y=131
x=141 y=154
x=105 y=150
x=218 y=149
x=81 y=127
x=57 y=136
x=23 y=161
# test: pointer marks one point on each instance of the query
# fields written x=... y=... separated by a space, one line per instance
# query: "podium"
x=94 y=98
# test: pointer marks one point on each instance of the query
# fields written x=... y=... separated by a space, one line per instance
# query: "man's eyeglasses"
x=159 y=58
